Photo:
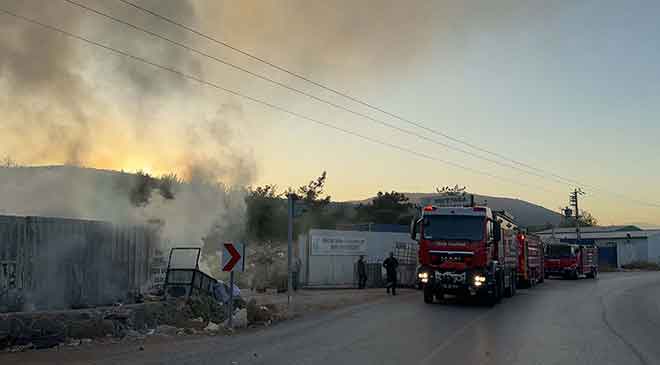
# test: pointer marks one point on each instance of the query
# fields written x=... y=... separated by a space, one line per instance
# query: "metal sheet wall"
x=653 y=243
x=57 y=263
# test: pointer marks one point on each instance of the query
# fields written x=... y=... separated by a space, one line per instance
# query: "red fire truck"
x=571 y=260
x=466 y=251
x=530 y=260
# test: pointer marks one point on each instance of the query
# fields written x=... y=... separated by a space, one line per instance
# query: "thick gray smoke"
x=65 y=102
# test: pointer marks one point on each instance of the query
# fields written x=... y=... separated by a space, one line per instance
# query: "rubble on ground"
x=212 y=327
x=261 y=314
x=238 y=320
x=196 y=315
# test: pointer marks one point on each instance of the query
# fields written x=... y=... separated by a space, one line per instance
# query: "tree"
x=266 y=214
x=315 y=202
x=167 y=185
x=586 y=220
x=140 y=192
x=312 y=193
x=9 y=162
x=386 y=208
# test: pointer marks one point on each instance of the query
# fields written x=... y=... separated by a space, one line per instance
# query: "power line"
x=268 y=104
x=301 y=92
x=556 y=177
x=346 y=95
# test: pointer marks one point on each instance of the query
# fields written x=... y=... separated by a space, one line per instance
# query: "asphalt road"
x=612 y=320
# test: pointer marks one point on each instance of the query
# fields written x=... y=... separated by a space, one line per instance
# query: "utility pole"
x=574 y=198
x=291 y=203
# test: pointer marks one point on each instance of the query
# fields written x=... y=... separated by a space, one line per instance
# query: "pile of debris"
x=197 y=315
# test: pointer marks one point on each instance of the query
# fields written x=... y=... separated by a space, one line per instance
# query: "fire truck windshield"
x=454 y=227
x=557 y=251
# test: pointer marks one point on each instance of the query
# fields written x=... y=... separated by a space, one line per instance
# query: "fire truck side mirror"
x=413 y=228
x=497 y=231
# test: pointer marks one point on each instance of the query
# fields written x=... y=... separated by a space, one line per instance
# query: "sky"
x=569 y=87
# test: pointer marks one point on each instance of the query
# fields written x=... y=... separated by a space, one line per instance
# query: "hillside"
x=526 y=213
x=92 y=193
x=193 y=210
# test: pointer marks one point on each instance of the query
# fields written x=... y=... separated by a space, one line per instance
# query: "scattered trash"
x=21 y=348
x=239 y=319
x=74 y=343
x=212 y=327
x=260 y=314
x=199 y=319
x=221 y=291
x=150 y=332
x=86 y=341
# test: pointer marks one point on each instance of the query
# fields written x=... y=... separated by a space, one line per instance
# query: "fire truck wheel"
x=428 y=295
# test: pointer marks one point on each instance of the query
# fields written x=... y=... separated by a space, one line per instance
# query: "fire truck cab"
x=466 y=251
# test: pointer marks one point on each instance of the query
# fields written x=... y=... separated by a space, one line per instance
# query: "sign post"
x=233 y=255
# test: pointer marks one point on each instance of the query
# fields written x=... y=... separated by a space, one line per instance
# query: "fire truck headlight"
x=423 y=277
x=479 y=280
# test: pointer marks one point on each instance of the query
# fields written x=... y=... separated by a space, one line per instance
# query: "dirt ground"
x=303 y=303
x=306 y=301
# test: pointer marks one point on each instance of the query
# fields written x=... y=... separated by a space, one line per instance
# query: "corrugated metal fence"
x=58 y=263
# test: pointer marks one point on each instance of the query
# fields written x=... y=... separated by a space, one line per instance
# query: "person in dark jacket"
x=391 y=264
x=362 y=272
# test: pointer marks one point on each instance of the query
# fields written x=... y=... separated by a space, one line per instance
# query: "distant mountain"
x=188 y=213
x=93 y=193
x=645 y=225
x=525 y=213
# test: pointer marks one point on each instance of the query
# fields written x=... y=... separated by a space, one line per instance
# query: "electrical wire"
x=266 y=103
x=556 y=177
x=346 y=95
x=306 y=94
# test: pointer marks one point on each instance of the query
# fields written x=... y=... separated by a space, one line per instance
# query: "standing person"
x=362 y=272
x=391 y=264
x=295 y=272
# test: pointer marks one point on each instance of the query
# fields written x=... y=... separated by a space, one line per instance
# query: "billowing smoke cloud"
x=65 y=102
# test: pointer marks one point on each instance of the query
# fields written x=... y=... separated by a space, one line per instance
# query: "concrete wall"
x=338 y=270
